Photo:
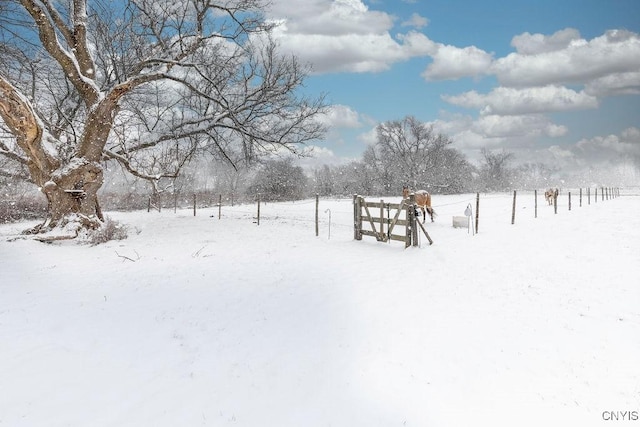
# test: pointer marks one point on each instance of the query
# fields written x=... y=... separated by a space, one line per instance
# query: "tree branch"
x=47 y=33
x=19 y=116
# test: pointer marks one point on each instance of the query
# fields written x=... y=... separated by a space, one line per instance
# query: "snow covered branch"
x=48 y=22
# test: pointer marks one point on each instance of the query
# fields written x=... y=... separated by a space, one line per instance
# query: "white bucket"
x=460 y=222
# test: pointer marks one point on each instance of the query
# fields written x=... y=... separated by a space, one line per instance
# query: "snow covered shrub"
x=110 y=230
x=19 y=208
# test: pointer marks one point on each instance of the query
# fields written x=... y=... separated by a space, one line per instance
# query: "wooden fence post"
x=149 y=205
x=477 y=210
x=513 y=209
x=407 y=228
x=258 y=209
x=382 y=219
x=535 y=196
x=555 y=203
x=580 y=196
x=357 y=218
x=596 y=196
x=194 y=204
x=317 y=203
x=219 y=206
x=569 y=200
x=414 y=228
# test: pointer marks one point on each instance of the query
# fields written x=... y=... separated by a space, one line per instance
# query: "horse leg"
x=424 y=214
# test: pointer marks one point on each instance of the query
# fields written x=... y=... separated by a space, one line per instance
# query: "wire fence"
x=337 y=213
x=327 y=212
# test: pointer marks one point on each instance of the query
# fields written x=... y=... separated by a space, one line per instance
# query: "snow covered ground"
x=204 y=321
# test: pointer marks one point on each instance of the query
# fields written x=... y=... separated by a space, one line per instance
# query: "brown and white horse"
x=423 y=200
x=550 y=195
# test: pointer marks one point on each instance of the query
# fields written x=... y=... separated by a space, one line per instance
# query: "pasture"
x=195 y=320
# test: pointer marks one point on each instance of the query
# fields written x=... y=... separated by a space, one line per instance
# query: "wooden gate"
x=384 y=220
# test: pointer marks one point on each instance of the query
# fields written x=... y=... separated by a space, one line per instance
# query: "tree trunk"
x=71 y=194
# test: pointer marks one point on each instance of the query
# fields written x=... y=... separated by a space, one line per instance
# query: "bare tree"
x=146 y=83
x=279 y=179
x=324 y=181
x=354 y=178
x=536 y=175
x=495 y=171
x=409 y=152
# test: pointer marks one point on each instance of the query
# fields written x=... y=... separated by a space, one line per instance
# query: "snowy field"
x=200 y=321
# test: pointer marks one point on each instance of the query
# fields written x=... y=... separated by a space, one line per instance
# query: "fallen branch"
x=197 y=253
x=51 y=239
x=127 y=258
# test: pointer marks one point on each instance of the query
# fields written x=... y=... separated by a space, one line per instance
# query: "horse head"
x=405 y=191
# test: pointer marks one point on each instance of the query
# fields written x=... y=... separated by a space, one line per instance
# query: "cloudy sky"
x=556 y=81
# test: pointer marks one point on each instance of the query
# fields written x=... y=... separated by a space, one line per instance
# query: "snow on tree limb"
x=17 y=112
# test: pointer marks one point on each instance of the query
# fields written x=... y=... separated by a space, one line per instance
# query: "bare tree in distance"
x=279 y=179
x=145 y=83
x=409 y=152
x=495 y=171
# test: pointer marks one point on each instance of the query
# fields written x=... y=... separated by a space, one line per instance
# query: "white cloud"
x=525 y=126
x=348 y=53
x=470 y=140
x=370 y=137
x=615 y=84
x=452 y=124
x=532 y=44
x=513 y=101
x=612 y=146
x=416 y=21
x=327 y=17
x=631 y=135
x=341 y=116
x=317 y=156
x=345 y=36
x=317 y=151
x=417 y=44
x=581 y=61
x=560 y=153
x=450 y=62
x=603 y=153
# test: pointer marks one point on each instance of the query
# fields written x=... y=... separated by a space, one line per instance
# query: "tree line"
x=406 y=152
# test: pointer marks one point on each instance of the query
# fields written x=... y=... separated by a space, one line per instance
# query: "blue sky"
x=551 y=81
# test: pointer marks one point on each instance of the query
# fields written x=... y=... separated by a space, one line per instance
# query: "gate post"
x=412 y=212
x=357 y=218
x=407 y=228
